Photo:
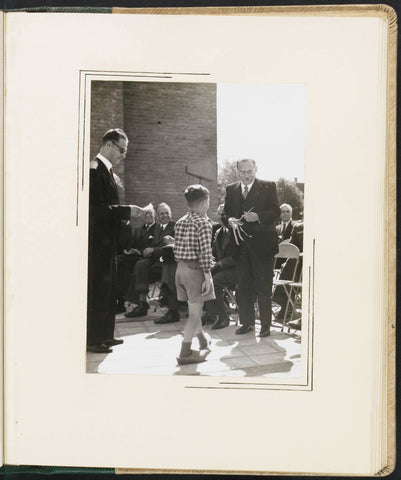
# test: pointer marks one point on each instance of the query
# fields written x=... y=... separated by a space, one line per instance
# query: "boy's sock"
x=185 y=349
x=203 y=343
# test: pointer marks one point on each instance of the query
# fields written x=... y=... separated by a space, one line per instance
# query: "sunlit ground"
x=150 y=349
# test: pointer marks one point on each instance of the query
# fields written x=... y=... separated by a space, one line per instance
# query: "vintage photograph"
x=196 y=226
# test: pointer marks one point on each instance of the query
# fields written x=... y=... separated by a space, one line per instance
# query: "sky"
x=264 y=122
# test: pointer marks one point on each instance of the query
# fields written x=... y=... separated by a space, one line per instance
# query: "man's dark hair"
x=195 y=194
x=114 y=135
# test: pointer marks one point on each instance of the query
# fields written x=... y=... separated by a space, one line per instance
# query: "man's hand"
x=168 y=240
x=216 y=267
x=251 y=217
x=234 y=222
x=207 y=283
x=148 y=252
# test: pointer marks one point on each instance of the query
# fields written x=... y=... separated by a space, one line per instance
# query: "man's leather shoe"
x=113 y=342
x=244 y=329
x=295 y=324
x=140 y=311
x=264 y=332
x=102 y=348
x=120 y=306
x=222 y=322
x=170 y=317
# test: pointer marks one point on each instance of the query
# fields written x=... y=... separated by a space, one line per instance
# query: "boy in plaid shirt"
x=193 y=253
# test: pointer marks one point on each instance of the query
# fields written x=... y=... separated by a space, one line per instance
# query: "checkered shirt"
x=193 y=240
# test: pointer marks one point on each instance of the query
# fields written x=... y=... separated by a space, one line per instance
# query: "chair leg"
x=288 y=293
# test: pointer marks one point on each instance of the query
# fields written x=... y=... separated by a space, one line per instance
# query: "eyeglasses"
x=121 y=149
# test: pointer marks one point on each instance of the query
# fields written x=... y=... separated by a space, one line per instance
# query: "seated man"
x=132 y=246
x=287 y=270
x=149 y=269
x=285 y=227
x=224 y=274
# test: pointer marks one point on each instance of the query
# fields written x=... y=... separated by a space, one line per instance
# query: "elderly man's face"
x=164 y=215
x=246 y=172
x=286 y=214
x=149 y=217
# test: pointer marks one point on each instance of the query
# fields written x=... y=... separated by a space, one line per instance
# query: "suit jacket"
x=297 y=237
x=124 y=237
x=286 y=235
x=143 y=237
x=159 y=234
x=105 y=216
x=262 y=199
x=224 y=248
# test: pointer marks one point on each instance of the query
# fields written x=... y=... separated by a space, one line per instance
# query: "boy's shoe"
x=196 y=356
x=208 y=345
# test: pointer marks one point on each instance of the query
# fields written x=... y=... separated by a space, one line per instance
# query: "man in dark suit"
x=251 y=210
x=149 y=269
x=105 y=216
x=224 y=273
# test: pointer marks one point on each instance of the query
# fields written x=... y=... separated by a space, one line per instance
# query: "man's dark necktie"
x=245 y=192
x=112 y=177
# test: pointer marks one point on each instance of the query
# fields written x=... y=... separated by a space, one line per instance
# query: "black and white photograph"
x=195 y=228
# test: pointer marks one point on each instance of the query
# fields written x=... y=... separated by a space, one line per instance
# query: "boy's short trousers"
x=188 y=280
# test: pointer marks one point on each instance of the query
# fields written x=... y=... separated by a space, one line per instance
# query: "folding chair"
x=287 y=274
x=295 y=300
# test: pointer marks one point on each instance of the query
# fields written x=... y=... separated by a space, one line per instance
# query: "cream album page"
x=302 y=95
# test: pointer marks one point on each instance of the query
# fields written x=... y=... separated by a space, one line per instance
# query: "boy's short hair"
x=195 y=194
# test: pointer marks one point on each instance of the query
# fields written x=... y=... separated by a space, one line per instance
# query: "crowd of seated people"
x=146 y=256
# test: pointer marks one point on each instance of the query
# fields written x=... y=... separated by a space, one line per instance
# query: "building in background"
x=172 y=138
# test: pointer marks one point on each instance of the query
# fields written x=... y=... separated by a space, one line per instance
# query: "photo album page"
x=200 y=270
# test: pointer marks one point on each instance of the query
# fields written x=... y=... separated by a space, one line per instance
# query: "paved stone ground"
x=150 y=349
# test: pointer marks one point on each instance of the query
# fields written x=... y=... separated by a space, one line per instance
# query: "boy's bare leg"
x=193 y=327
x=193 y=321
x=203 y=340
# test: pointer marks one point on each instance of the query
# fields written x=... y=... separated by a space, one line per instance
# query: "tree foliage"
x=288 y=192
x=227 y=174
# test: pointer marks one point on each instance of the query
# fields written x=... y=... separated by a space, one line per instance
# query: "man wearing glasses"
x=251 y=210
x=105 y=217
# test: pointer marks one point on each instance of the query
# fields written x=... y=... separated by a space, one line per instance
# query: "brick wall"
x=107 y=111
x=170 y=126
